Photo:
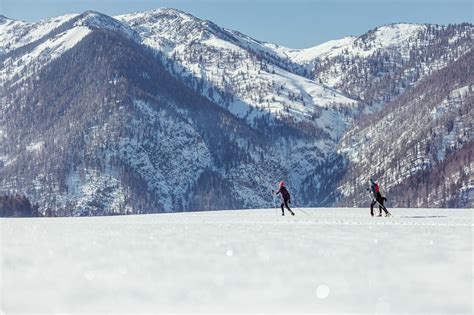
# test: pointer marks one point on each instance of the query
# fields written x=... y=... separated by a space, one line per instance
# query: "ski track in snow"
x=328 y=260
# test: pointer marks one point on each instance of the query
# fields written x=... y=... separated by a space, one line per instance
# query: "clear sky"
x=292 y=23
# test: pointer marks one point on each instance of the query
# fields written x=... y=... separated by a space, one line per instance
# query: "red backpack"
x=377 y=188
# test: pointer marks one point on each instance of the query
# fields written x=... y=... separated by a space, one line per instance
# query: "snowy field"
x=325 y=261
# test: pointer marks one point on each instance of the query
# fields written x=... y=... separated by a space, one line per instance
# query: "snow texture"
x=392 y=35
x=44 y=52
x=328 y=260
x=14 y=34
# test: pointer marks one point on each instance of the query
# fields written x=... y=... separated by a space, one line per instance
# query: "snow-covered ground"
x=328 y=260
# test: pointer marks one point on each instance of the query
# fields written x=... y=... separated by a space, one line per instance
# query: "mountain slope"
x=380 y=65
x=123 y=135
x=125 y=132
x=15 y=34
x=232 y=71
x=30 y=46
x=382 y=38
x=421 y=145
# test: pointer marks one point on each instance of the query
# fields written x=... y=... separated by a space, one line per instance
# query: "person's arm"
x=371 y=190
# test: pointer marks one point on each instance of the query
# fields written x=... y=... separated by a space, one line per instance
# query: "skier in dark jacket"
x=377 y=198
x=286 y=199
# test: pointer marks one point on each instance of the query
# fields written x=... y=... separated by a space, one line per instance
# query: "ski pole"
x=301 y=209
x=274 y=204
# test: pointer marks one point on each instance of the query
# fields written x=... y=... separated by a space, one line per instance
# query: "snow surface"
x=44 y=52
x=328 y=260
x=328 y=49
x=14 y=34
x=35 y=146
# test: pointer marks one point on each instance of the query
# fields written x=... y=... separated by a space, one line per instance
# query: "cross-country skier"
x=377 y=198
x=286 y=199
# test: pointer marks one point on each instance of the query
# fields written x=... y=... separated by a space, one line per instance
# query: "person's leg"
x=382 y=206
x=380 y=202
x=282 y=210
x=287 y=207
x=372 y=207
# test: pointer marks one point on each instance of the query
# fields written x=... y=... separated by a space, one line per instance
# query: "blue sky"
x=292 y=23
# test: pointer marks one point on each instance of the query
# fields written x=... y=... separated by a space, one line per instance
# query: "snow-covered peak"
x=384 y=37
x=15 y=34
x=165 y=28
x=154 y=16
x=4 y=19
x=306 y=55
x=169 y=27
x=164 y=17
x=46 y=40
x=96 y=20
x=93 y=18
x=395 y=34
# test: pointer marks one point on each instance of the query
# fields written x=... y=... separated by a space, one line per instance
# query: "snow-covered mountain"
x=382 y=38
x=232 y=70
x=380 y=65
x=421 y=146
x=162 y=111
x=27 y=47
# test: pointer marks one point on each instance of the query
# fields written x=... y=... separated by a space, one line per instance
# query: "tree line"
x=17 y=205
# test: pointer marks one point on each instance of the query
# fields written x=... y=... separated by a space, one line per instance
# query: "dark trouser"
x=380 y=201
x=285 y=203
